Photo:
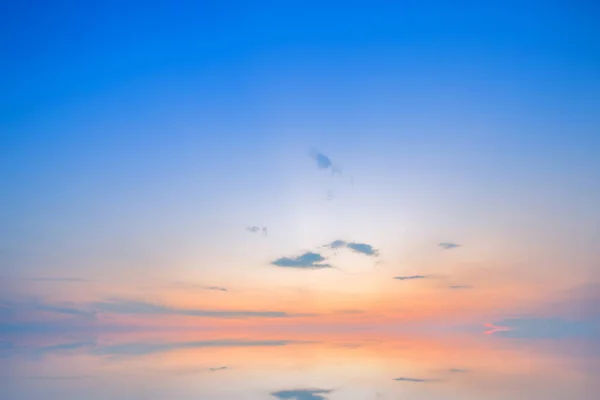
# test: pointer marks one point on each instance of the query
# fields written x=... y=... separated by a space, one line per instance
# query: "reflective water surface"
x=211 y=365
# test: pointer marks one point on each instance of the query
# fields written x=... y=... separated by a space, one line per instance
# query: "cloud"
x=9 y=349
x=460 y=287
x=414 y=380
x=362 y=248
x=458 y=371
x=194 y=286
x=121 y=306
x=139 y=349
x=217 y=369
x=302 y=394
x=323 y=162
x=216 y=288
x=449 y=245
x=307 y=260
x=95 y=347
x=336 y=244
x=410 y=277
x=312 y=260
x=29 y=314
x=256 y=229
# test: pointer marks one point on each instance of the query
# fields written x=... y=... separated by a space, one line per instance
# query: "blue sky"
x=141 y=141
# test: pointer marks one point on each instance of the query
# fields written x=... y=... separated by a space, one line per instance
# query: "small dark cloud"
x=323 y=162
x=307 y=260
x=409 y=277
x=302 y=394
x=121 y=306
x=458 y=371
x=216 y=288
x=449 y=245
x=55 y=279
x=414 y=380
x=336 y=244
x=362 y=248
x=460 y=287
x=217 y=369
x=257 y=229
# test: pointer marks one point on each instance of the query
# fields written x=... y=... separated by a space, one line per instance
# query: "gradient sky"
x=140 y=143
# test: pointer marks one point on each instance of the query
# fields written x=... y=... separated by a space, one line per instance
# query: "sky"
x=308 y=165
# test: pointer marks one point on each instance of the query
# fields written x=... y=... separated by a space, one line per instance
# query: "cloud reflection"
x=124 y=306
x=414 y=380
x=302 y=394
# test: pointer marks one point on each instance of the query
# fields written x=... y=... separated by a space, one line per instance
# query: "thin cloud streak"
x=449 y=245
x=410 y=277
x=217 y=288
x=193 y=286
x=133 y=307
x=139 y=349
x=413 y=380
